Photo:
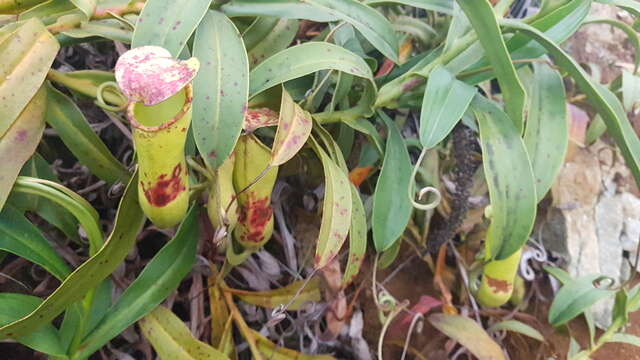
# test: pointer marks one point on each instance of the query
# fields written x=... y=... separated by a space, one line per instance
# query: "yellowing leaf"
x=281 y=296
x=172 y=340
x=20 y=141
x=273 y=352
x=27 y=55
x=336 y=209
x=294 y=128
x=469 y=334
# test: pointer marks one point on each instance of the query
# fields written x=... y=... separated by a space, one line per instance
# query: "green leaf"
x=632 y=35
x=220 y=88
x=546 y=135
x=14 y=7
x=370 y=23
x=278 y=39
x=483 y=19
x=559 y=274
x=631 y=6
x=469 y=334
x=171 y=338
x=20 y=237
x=259 y=29
x=509 y=178
x=38 y=167
x=603 y=101
x=159 y=279
x=443 y=6
x=27 y=55
x=444 y=102
x=168 y=23
x=86 y=82
x=294 y=128
x=70 y=124
x=558 y=25
x=49 y=11
x=625 y=339
x=128 y=223
x=574 y=298
x=109 y=29
x=45 y=339
x=280 y=296
x=86 y=6
x=289 y=9
x=391 y=208
x=357 y=238
x=304 y=59
x=20 y=141
x=336 y=209
x=519 y=327
x=630 y=91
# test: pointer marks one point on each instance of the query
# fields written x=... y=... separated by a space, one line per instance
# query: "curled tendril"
x=604 y=282
x=423 y=191
x=100 y=100
x=417 y=322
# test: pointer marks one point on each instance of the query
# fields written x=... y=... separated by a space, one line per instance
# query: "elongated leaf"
x=171 y=338
x=159 y=278
x=128 y=222
x=86 y=83
x=289 y=9
x=109 y=29
x=72 y=127
x=443 y=6
x=469 y=334
x=280 y=296
x=558 y=25
x=272 y=351
x=630 y=91
x=546 y=135
x=519 y=327
x=20 y=141
x=258 y=30
x=630 y=5
x=625 y=339
x=45 y=339
x=220 y=88
x=605 y=102
x=304 y=59
x=445 y=101
x=20 y=237
x=574 y=298
x=294 y=128
x=168 y=23
x=370 y=23
x=336 y=209
x=14 y=7
x=27 y=55
x=357 y=238
x=632 y=35
x=38 y=167
x=86 y=6
x=278 y=39
x=391 y=208
x=509 y=178
x=482 y=17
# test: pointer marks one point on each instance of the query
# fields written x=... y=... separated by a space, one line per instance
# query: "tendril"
x=423 y=191
x=100 y=100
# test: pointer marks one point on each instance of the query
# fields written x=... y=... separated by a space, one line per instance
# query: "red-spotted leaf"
x=260 y=117
x=151 y=75
x=336 y=209
x=357 y=238
x=294 y=128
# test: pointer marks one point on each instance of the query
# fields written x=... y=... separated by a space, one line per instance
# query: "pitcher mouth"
x=185 y=107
